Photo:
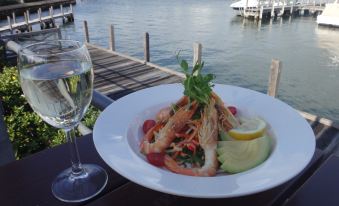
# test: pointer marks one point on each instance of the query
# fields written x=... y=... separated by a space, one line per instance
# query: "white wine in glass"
x=57 y=80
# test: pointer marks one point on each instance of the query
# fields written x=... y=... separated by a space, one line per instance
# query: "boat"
x=330 y=15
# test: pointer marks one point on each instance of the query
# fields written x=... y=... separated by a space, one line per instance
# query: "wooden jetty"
x=277 y=8
x=45 y=21
x=117 y=75
x=19 y=9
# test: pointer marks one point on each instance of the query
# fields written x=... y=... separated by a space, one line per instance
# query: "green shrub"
x=28 y=132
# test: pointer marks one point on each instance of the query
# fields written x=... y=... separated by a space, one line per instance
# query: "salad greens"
x=197 y=86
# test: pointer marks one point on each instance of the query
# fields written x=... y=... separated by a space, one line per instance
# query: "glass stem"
x=75 y=158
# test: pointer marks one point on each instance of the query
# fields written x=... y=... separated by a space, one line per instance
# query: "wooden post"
x=10 y=24
x=197 y=47
x=245 y=10
x=39 y=14
x=261 y=12
x=59 y=32
x=14 y=18
x=146 y=47
x=71 y=6
x=274 y=77
x=28 y=15
x=272 y=11
x=27 y=22
x=86 y=32
x=291 y=11
x=111 y=38
x=283 y=8
x=62 y=10
x=257 y=13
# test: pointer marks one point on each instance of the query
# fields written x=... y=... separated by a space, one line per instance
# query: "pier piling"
x=274 y=78
x=111 y=38
x=10 y=24
x=14 y=18
x=86 y=32
x=146 y=47
x=197 y=51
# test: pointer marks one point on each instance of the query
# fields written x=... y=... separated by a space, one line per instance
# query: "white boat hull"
x=330 y=15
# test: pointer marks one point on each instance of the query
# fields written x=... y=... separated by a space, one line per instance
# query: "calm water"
x=238 y=51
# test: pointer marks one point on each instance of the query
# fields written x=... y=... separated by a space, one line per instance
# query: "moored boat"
x=330 y=15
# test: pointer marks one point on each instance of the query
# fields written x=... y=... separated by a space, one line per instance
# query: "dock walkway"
x=21 y=8
x=117 y=75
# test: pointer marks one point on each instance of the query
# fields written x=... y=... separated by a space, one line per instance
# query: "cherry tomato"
x=156 y=159
x=148 y=124
x=232 y=109
x=191 y=147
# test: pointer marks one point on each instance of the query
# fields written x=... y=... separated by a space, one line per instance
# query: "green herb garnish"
x=197 y=86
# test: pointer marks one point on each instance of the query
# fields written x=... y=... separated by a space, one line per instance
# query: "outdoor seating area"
x=28 y=181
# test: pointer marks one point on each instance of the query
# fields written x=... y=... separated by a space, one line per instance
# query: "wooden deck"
x=117 y=75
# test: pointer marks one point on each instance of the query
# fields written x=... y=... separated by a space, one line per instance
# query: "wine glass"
x=57 y=80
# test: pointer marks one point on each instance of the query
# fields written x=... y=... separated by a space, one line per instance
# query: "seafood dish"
x=199 y=135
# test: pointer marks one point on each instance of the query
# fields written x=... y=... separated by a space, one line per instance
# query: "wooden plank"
x=319 y=119
x=119 y=76
x=170 y=71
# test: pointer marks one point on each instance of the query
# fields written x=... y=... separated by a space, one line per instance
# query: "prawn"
x=227 y=120
x=166 y=134
x=207 y=136
x=165 y=113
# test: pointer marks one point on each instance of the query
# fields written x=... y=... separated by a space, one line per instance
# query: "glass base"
x=68 y=187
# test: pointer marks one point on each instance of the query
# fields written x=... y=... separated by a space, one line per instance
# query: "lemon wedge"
x=249 y=129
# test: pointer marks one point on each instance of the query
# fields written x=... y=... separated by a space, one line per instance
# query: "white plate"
x=117 y=133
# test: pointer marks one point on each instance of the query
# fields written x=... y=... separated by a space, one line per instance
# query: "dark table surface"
x=322 y=188
x=28 y=182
